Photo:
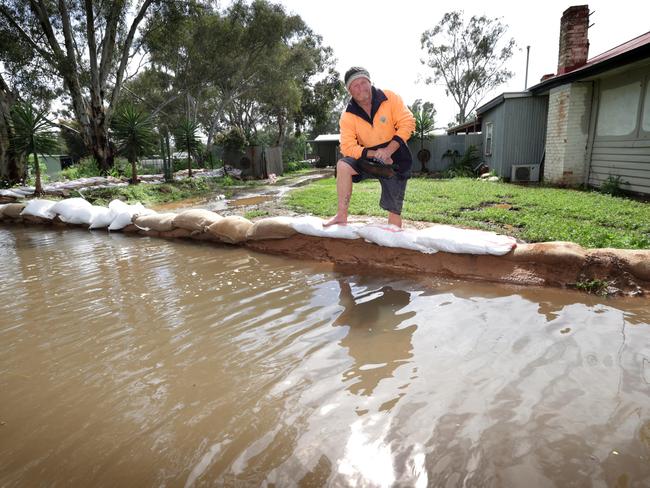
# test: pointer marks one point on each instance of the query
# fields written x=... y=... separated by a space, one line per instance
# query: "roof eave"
x=622 y=59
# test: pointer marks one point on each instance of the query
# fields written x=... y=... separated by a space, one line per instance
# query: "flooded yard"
x=143 y=362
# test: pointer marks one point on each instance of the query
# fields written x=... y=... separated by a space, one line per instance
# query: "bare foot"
x=336 y=220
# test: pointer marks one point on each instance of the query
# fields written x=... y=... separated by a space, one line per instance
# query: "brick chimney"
x=574 y=41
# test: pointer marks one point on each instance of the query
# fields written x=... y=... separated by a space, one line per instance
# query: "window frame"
x=489 y=138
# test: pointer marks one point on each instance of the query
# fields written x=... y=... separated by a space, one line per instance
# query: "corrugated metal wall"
x=439 y=145
x=525 y=120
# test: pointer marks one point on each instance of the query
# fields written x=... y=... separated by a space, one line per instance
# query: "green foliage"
x=85 y=168
x=294 y=148
x=293 y=166
x=186 y=138
x=593 y=286
x=462 y=166
x=233 y=140
x=538 y=214
x=32 y=135
x=256 y=213
x=74 y=143
x=612 y=186
x=134 y=134
x=424 y=114
x=469 y=57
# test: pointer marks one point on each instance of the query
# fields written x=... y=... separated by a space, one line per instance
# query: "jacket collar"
x=378 y=97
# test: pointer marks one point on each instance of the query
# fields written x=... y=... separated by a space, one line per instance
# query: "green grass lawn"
x=533 y=214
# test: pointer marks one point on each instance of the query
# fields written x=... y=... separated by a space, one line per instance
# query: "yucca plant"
x=185 y=137
x=32 y=135
x=134 y=135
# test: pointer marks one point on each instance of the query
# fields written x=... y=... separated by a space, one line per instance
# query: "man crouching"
x=375 y=126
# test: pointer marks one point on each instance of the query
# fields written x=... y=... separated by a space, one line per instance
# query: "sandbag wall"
x=438 y=250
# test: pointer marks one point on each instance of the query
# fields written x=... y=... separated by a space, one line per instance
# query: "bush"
x=85 y=168
x=233 y=140
x=296 y=166
x=612 y=186
x=294 y=148
x=462 y=166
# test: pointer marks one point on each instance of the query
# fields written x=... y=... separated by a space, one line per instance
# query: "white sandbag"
x=39 y=208
x=120 y=221
x=313 y=226
x=470 y=241
x=124 y=213
x=101 y=217
x=119 y=206
x=392 y=236
x=73 y=210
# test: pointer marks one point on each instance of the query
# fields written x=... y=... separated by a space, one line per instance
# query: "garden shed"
x=326 y=148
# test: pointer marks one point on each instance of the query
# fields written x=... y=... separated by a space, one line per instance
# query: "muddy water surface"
x=129 y=361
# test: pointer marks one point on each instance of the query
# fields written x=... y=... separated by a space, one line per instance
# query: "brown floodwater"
x=130 y=361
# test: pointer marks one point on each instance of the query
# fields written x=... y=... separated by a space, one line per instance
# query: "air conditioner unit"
x=524 y=172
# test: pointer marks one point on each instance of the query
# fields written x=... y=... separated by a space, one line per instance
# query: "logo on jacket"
x=382 y=119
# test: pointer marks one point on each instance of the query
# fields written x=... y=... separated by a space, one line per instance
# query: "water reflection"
x=143 y=362
x=375 y=340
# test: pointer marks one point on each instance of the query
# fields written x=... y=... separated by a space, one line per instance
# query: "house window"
x=488 y=139
x=619 y=106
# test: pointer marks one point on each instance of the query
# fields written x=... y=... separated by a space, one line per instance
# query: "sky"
x=384 y=37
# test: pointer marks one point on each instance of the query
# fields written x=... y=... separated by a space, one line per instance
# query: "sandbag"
x=313 y=226
x=121 y=220
x=101 y=217
x=124 y=213
x=176 y=233
x=469 y=241
x=271 y=228
x=39 y=208
x=73 y=210
x=392 y=236
x=12 y=211
x=196 y=219
x=231 y=229
x=160 y=222
x=557 y=253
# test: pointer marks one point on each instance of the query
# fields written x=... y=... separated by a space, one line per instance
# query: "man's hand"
x=384 y=154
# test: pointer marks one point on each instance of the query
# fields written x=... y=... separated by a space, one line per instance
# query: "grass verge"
x=532 y=214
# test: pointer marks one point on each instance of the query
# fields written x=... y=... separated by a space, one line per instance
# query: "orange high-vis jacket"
x=390 y=120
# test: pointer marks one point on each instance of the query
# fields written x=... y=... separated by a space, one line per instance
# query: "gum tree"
x=470 y=57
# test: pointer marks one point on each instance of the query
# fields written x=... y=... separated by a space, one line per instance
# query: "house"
x=514 y=132
x=598 y=123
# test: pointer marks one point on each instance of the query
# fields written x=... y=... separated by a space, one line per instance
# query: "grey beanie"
x=354 y=73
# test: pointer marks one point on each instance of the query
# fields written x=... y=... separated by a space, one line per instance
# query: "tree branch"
x=125 y=56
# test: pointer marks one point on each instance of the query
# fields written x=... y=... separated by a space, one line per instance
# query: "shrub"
x=462 y=166
x=612 y=186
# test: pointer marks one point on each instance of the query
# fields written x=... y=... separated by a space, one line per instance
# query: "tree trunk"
x=38 y=188
x=12 y=169
x=189 y=162
x=134 y=172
